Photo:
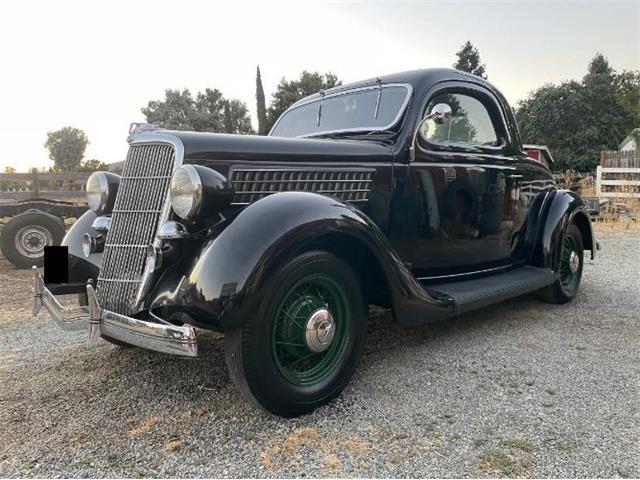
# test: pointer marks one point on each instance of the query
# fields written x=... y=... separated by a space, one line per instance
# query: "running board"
x=470 y=295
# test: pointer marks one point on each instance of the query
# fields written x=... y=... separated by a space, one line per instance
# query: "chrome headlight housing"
x=101 y=190
x=197 y=190
x=186 y=191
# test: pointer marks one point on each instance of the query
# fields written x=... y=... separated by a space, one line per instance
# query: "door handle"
x=516 y=177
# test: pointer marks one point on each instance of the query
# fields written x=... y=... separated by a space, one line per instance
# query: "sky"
x=93 y=65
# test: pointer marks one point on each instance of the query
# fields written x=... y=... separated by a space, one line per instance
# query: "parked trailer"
x=34 y=221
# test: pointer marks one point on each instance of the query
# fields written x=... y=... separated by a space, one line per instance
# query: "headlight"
x=197 y=190
x=101 y=191
x=186 y=191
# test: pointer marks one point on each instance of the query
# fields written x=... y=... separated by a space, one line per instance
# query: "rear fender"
x=564 y=207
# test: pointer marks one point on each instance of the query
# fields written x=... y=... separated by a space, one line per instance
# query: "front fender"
x=82 y=268
x=564 y=208
x=235 y=270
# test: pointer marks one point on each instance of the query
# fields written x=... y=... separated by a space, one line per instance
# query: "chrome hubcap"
x=30 y=241
x=574 y=262
x=320 y=330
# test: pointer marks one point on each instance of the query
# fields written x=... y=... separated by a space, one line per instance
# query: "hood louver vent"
x=350 y=185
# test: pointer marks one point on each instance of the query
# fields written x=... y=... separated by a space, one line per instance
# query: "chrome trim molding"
x=395 y=121
x=101 y=224
x=161 y=337
x=172 y=231
x=468 y=274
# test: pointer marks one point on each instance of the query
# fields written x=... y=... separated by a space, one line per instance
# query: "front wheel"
x=303 y=345
x=565 y=288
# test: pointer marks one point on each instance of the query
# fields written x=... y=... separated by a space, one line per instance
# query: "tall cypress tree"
x=469 y=60
x=261 y=106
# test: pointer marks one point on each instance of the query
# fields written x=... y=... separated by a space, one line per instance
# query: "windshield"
x=362 y=110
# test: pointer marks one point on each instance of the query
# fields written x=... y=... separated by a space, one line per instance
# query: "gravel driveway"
x=518 y=389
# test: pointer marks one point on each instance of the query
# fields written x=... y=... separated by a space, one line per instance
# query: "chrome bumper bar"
x=162 y=337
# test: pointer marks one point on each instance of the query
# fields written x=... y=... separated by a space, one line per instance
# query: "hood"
x=200 y=148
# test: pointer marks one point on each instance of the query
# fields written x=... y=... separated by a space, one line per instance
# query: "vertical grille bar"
x=135 y=219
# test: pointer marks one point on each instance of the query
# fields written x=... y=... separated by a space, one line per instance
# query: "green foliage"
x=6 y=185
x=66 y=148
x=469 y=60
x=579 y=119
x=289 y=92
x=92 y=165
x=53 y=185
x=237 y=118
x=261 y=106
x=209 y=111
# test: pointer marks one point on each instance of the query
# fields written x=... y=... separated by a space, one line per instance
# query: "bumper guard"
x=162 y=337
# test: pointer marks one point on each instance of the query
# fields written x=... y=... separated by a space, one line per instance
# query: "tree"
x=579 y=119
x=289 y=92
x=469 y=60
x=261 y=106
x=92 y=165
x=204 y=113
x=7 y=185
x=236 y=118
x=66 y=148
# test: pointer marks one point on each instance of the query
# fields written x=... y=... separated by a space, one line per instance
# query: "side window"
x=469 y=124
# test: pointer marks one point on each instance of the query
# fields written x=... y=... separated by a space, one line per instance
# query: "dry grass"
x=610 y=220
x=498 y=463
x=328 y=449
x=144 y=427
x=173 y=445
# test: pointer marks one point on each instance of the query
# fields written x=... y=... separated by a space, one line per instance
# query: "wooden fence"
x=627 y=180
x=620 y=159
x=22 y=186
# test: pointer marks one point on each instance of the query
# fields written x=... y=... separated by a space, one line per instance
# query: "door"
x=459 y=195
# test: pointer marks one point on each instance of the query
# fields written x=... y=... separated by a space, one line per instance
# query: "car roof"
x=420 y=80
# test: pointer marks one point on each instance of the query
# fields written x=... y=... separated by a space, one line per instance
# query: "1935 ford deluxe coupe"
x=409 y=191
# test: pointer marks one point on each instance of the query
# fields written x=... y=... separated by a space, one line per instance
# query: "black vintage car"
x=409 y=191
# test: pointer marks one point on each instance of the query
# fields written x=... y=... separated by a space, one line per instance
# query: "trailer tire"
x=23 y=239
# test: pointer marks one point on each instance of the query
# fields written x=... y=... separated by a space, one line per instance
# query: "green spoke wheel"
x=311 y=329
x=565 y=288
x=303 y=337
x=569 y=264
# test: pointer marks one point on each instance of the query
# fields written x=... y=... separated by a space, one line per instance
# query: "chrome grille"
x=250 y=185
x=141 y=198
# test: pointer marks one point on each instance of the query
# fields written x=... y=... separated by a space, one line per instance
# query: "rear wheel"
x=565 y=288
x=23 y=239
x=301 y=348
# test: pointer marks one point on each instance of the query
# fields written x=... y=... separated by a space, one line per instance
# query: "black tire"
x=251 y=351
x=23 y=239
x=562 y=290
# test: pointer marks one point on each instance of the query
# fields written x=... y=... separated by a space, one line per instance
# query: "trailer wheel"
x=23 y=239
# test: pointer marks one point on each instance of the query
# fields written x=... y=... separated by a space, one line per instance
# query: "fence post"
x=35 y=185
x=599 y=180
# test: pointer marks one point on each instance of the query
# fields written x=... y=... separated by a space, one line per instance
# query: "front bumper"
x=161 y=336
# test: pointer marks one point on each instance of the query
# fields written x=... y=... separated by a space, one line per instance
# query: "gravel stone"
x=522 y=388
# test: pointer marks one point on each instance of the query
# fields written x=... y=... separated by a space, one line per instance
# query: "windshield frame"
x=381 y=87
